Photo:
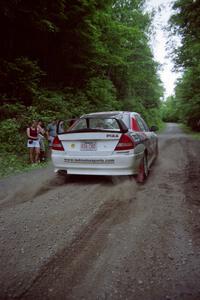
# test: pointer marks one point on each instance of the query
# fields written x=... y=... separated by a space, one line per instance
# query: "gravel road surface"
x=101 y=238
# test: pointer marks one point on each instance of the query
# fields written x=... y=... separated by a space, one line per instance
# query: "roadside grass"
x=194 y=134
x=11 y=164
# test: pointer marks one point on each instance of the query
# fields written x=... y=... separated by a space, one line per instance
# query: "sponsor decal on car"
x=112 y=135
x=89 y=161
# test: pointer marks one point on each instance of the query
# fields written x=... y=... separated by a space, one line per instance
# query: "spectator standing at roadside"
x=54 y=128
x=33 y=142
x=52 y=131
x=41 y=136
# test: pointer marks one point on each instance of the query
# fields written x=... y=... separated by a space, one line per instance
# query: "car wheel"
x=143 y=170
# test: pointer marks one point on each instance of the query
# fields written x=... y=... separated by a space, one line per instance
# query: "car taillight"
x=125 y=143
x=57 y=145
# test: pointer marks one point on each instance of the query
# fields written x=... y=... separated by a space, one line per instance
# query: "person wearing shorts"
x=33 y=142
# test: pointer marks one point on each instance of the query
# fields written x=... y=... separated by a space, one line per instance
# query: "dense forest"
x=185 y=105
x=62 y=58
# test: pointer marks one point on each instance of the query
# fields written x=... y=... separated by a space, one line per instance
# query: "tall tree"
x=82 y=45
x=186 y=21
x=131 y=65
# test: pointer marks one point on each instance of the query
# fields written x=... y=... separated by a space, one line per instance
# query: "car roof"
x=107 y=114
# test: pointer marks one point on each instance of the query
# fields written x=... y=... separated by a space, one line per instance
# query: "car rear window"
x=96 y=123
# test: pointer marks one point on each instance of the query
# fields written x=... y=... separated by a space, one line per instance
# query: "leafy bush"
x=11 y=139
x=10 y=163
x=12 y=110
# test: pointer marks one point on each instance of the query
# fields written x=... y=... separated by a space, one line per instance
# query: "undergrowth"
x=194 y=134
x=11 y=164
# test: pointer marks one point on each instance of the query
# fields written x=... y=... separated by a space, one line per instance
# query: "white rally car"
x=106 y=143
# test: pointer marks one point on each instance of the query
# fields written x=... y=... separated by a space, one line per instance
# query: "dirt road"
x=103 y=237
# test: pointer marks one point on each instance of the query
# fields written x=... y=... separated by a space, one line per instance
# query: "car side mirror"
x=154 y=128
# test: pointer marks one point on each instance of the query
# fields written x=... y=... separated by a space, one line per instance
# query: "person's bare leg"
x=49 y=152
x=37 y=154
x=31 y=152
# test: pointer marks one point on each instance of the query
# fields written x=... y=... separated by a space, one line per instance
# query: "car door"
x=149 y=139
x=152 y=139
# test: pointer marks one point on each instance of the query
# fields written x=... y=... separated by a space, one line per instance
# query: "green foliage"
x=185 y=21
x=12 y=110
x=11 y=139
x=11 y=164
x=75 y=42
x=188 y=130
x=188 y=97
x=130 y=63
x=153 y=117
x=102 y=95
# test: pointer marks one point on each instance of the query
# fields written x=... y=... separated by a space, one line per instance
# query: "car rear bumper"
x=120 y=164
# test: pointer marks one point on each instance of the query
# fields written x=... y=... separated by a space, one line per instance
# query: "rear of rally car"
x=96 y=146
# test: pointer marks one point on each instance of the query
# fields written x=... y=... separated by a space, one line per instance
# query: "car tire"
x=143 y=170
